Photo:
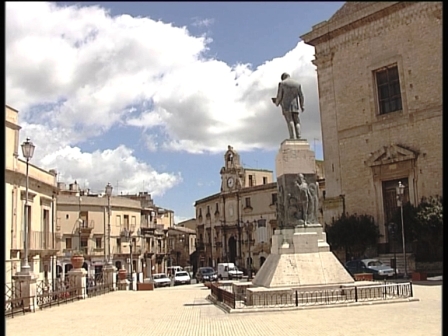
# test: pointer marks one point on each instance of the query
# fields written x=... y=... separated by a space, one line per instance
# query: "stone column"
x=25 y=284
x=110 y=276
x=78 y=281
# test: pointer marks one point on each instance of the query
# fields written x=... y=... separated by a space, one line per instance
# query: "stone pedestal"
x=110 y=276
x=294 y=157
x=78 y=282
x=295 y=161
x=26 y=288
x=123 y=285
x=300 y=256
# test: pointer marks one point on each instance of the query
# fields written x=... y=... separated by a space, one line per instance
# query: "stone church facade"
x=379 y=67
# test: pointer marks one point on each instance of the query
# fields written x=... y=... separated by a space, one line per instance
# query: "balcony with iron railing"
x=85 y=226
x=147 y=224
x=124 y=249
x=38 y=241
x=127 y=228
x=96 y=251
x=68 y=252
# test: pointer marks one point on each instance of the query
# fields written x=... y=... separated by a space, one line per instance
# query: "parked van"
x=229 y=271
x=171 y=270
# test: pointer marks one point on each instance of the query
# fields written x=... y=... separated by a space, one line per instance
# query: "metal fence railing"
x=14 y=302
x=50 y=293
x=97 y=285
x=299 y=298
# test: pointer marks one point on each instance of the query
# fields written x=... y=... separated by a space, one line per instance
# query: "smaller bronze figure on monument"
x=314 y=203
x=304 y=197
x=289 y=95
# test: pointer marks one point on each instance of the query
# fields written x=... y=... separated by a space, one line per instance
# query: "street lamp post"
x=80 y=221
x=392 y=228
x=400 y=194
x=109 y=189
x=249 y=229
x=128 y=235
x=27 y=151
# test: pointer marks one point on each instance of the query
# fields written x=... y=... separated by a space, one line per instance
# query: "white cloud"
x=75 y=72
x=198 y=22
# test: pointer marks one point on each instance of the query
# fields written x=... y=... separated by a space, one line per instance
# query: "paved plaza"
x=183 y=310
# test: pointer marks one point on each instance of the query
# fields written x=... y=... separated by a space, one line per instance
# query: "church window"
x=388 y=88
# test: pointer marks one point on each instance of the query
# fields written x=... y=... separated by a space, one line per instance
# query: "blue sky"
x=147 y=95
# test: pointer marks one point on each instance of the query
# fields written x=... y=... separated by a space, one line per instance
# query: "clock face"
x=230 y=182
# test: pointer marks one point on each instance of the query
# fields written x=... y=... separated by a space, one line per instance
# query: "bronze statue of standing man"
x=289 y=96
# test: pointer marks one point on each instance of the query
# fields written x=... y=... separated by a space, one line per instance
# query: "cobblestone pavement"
x=184 y=311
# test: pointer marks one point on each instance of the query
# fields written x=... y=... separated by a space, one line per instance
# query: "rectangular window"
x=84 y=241
x=265 y=180
x=67 y=216
x=118 y=220
x=208 y=209
x=98 y=242
x=126 y=221
x=251 y=181
x=274 y=198
x=216 y=207
x=133 y=220
x=68 y=243
x=389 y=93
x=247 y=201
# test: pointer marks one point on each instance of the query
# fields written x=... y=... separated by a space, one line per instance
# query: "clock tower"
x=232 y=174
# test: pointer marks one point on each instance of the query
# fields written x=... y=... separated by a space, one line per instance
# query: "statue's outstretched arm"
x=279 y=98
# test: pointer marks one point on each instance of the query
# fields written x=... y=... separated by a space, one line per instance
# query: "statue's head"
x=285 y=75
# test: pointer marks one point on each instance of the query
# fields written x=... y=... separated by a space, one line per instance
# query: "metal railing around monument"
x=299 y=298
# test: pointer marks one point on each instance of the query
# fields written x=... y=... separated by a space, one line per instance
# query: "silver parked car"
x=374 y=266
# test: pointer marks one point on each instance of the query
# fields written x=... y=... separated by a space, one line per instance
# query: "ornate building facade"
x=379 y=67
x=42 y=191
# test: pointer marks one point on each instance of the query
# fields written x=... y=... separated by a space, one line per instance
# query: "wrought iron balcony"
x=85 y=226
x=147 y=224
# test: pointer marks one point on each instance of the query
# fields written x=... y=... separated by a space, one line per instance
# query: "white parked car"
x=182 y=277
x=161 y=280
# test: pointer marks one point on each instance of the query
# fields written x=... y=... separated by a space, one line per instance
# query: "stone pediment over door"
x=390 y=154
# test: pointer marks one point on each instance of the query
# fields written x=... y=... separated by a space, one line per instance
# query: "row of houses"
x=63 y=218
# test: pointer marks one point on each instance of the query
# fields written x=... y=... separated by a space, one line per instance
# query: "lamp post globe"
x=28 y=149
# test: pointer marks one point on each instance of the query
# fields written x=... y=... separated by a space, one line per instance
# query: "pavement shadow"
x=428 y=283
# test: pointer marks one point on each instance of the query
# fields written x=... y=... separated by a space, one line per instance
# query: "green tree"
x=423 y=226
x=353 y=233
